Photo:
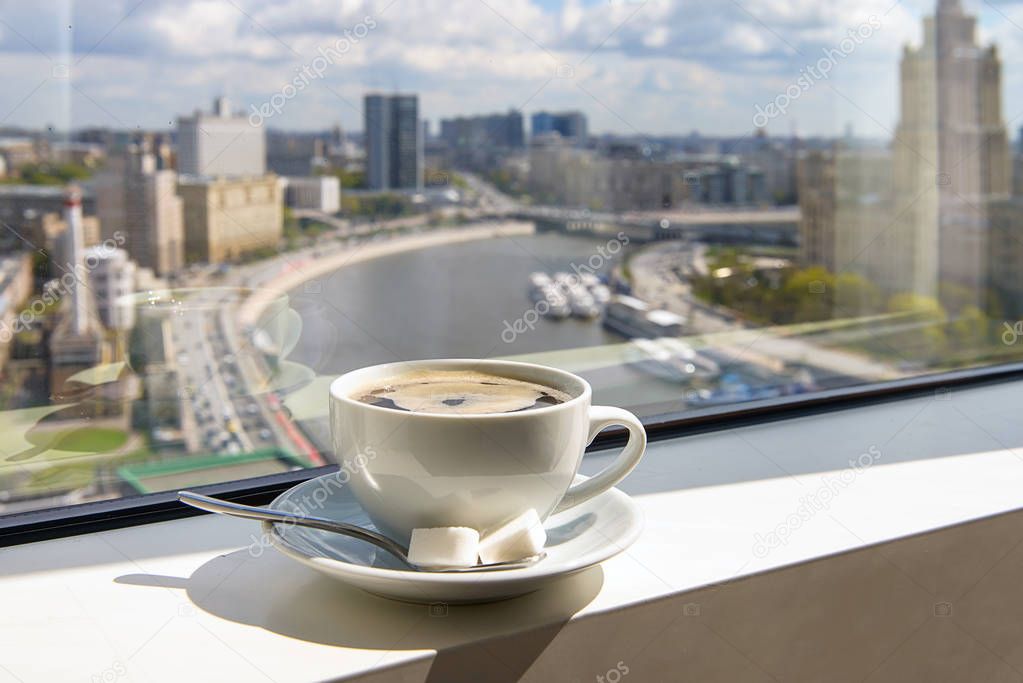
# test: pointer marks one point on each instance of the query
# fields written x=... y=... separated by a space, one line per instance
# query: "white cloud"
x=659 y=66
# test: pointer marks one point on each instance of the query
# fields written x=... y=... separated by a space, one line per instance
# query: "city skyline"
x=633 y=67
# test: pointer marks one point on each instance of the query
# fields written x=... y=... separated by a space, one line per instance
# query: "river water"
x=453 y=300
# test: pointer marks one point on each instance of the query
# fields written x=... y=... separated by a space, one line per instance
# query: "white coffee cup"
x=411 y=470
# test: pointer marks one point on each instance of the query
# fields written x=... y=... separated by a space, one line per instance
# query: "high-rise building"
x=376 y=114
x=862 y=213
x=951 y=158
x=228 y=217
x=480 y=141
x=778 y=163
x=139 y=201
x=394 y=142
x=568 y=124
x=923 y=217
x=293 y=154
x=495 y=130
x=220 y=143
x=816 y=182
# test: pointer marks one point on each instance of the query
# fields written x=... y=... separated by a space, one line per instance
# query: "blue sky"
x=653 y=67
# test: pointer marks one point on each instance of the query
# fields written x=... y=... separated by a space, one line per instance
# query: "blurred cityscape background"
x=173 y=299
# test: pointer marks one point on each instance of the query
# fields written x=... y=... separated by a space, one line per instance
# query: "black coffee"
x=459 y=392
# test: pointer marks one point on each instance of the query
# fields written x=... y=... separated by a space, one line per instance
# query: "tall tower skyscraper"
x=973 y=145
x=945 y=217
x=394 y=142
x=951 y=156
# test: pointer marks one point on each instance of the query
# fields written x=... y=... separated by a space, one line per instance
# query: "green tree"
x=350 y=180
x=856 y=295
x=49 y=174
x=920 y=334
x=351 y=205
x=811 y=295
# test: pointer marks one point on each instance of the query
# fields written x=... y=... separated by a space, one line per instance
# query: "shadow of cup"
x=272 y=592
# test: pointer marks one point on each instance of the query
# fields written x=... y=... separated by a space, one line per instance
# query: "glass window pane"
x=209 y=211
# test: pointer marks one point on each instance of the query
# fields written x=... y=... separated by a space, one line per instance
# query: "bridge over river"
x=738 y=226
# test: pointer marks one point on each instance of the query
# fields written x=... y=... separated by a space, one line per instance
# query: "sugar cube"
x=520 y=538
x=448 y=546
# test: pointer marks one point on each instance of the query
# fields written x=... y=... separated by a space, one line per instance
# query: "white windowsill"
x=176 y=601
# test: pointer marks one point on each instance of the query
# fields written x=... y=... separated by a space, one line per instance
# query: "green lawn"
x=98 y=440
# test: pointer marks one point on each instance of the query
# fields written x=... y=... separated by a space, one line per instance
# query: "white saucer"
x=577 y=538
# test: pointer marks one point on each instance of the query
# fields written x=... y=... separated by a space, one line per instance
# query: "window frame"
x=661 y=422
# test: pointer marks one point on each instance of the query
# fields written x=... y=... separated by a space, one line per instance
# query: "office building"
x=318 y=193
x=562 y=174
x=294 y=154
x=86 y=154
x=394 y=142
x=845 y=210
x=816 y=187
x=49 y=232
x=481 y=141
x=568 y=124
x=138 y=201
x=225 y=218
x=112 y=281
x=778 y=162
x=220 y=143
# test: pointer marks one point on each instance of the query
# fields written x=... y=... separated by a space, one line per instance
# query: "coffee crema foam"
x=459 y=392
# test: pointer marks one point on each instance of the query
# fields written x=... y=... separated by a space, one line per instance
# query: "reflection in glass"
x=182 y=275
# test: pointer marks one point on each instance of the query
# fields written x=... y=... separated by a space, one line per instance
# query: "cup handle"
x=601 y=417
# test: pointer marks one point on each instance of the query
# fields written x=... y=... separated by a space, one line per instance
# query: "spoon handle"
x=268 y=515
